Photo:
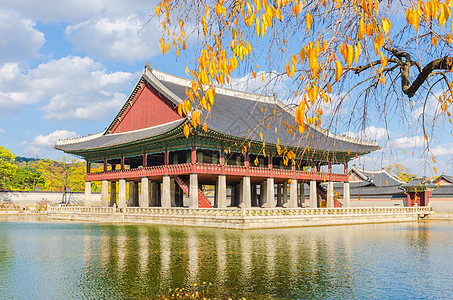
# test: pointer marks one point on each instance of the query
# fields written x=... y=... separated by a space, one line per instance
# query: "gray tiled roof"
x=443 y=190
x=381 y=179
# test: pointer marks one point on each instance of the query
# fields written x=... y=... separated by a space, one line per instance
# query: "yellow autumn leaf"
x=350 y=55
x=361 y=31
x=338 y=70
x=186 y=130
x=386 y=25
x=308 y=20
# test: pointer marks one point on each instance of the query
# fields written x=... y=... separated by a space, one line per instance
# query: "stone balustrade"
x=244 y=211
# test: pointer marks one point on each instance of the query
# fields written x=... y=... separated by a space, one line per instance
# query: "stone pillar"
x=246 y=193
x=144 y=193
x=221 y=191
x=263 y=194
x=285 y=193
x=166 y=197
x=122 y=193
x=150 y=193
x=173 y=192
x=330 y=202
x=313 y=194
x=270 y=203
x=87 y=193
x=293 y=194
x=301 y=194
x=235 y=194
x=155 y=193
x=193 y=191
x=105 y=193
x=279 y=195
x=133 y=194
x=346 y=195
x=254 y=195
x=112 y=193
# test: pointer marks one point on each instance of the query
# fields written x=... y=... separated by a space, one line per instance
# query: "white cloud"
x=19 y=40
x=75 y=88
x=2 y=130
x=116 y=38
x=45 y=142
x=441 y=150
x=371 y=132
x=431 y=110
x=410 y=142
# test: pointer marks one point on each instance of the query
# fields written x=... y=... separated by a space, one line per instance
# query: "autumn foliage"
x=392 y=51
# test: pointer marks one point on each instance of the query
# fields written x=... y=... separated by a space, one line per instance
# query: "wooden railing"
x=215 y=169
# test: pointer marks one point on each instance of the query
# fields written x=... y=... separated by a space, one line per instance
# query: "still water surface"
x=41 y=260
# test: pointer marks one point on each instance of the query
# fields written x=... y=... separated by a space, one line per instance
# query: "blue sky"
x=67 y=67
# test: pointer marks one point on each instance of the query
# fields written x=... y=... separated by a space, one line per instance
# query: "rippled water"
x=40 y=260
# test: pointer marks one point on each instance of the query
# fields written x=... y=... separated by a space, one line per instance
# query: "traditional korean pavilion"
x=145 y=147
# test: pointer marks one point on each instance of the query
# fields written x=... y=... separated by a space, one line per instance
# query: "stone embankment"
x=241 y=218
x=440 y=216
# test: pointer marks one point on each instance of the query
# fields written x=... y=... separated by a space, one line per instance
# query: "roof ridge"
x=221 y=90
x=79 y=139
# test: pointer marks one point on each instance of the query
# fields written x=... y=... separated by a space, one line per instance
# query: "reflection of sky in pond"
x=75 y=261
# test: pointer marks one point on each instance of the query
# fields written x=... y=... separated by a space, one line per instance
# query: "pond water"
x=43 y=260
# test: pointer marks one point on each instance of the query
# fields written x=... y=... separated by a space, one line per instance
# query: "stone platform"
x=241 y=218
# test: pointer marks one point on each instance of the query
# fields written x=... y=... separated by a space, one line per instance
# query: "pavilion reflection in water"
x=151 y=260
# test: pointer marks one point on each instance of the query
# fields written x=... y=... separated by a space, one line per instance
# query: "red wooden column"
x=145 y=162
x=193 y=155
x=122 y=162
x=222 y=157
x=222 y=160
x=247 y=163
x=88 y=167
x=105 y=165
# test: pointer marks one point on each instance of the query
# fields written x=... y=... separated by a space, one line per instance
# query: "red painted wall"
x=148 y=109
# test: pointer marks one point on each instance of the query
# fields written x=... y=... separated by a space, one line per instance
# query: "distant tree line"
x=31 y=174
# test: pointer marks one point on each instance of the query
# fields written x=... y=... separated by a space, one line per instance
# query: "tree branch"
x=445 y=63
